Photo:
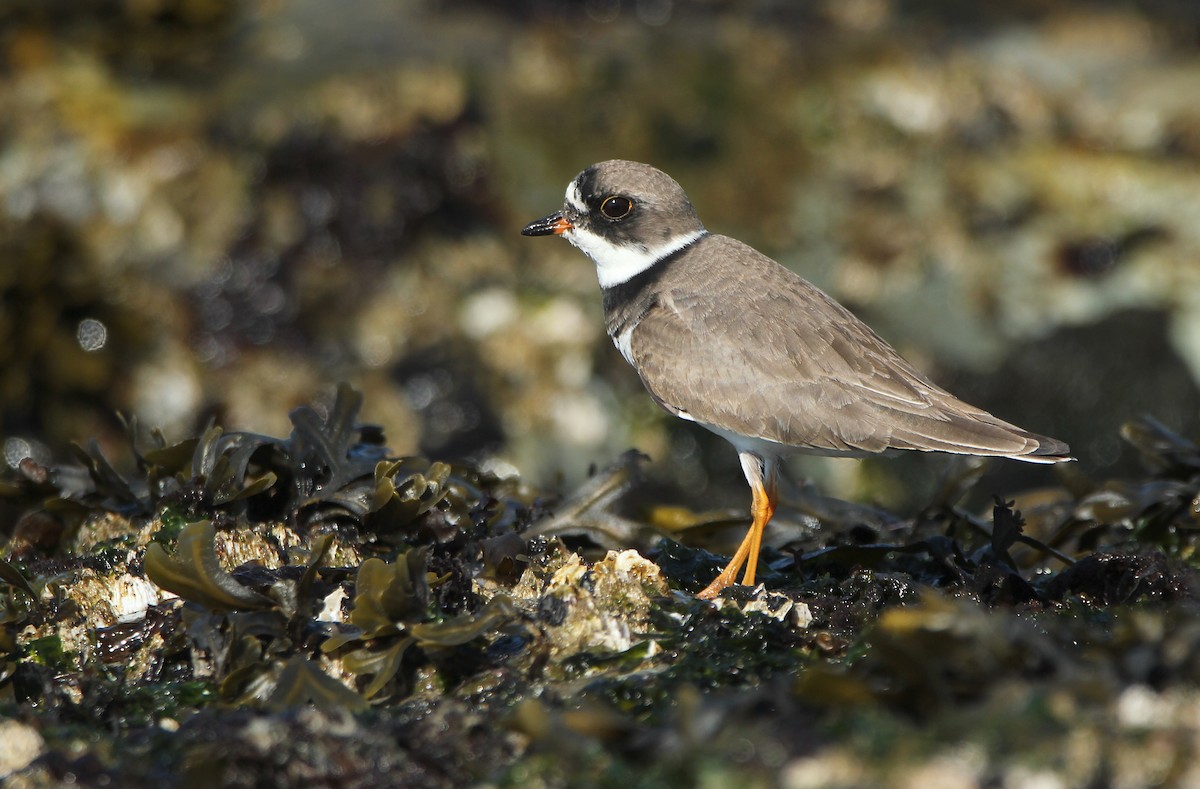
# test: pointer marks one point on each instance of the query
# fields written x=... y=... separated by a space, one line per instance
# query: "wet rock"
x=602 y=607
x=1113 y=578
x=774 y=605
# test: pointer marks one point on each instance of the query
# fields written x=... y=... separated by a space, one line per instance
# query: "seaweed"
x=235 y=573
x=194 y=573
x=391 y=609
x=13 y=577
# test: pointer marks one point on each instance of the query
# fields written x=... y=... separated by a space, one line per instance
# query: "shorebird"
x=724 y=336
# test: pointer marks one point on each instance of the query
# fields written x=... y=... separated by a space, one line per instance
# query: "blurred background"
x=221 y=208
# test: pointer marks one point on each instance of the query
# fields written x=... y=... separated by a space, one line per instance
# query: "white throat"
x=619 y=263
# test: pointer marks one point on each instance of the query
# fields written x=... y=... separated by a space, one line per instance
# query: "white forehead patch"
x=618 y=263
x=575 y=197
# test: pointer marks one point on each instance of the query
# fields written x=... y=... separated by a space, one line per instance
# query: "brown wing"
x=786 y=363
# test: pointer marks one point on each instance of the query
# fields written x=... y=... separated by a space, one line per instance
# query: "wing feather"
x=786 y=363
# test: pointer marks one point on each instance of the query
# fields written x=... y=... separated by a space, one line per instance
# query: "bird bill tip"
x=556 y=224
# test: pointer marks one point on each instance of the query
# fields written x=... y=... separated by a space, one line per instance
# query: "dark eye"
x=616 y=207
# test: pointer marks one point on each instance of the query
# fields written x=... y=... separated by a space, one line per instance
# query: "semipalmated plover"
x=724 y=336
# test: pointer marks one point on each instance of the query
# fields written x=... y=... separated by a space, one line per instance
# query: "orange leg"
x=728 y=576
x=761 y=476
x=761 y=509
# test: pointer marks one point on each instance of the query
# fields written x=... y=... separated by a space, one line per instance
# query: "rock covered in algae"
x=600 y=607
x=775 y=605
x=446 y=635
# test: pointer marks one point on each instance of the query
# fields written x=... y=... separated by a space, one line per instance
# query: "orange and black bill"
x=555 y=224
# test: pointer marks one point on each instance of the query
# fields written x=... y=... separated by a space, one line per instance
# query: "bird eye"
x=616 y=207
